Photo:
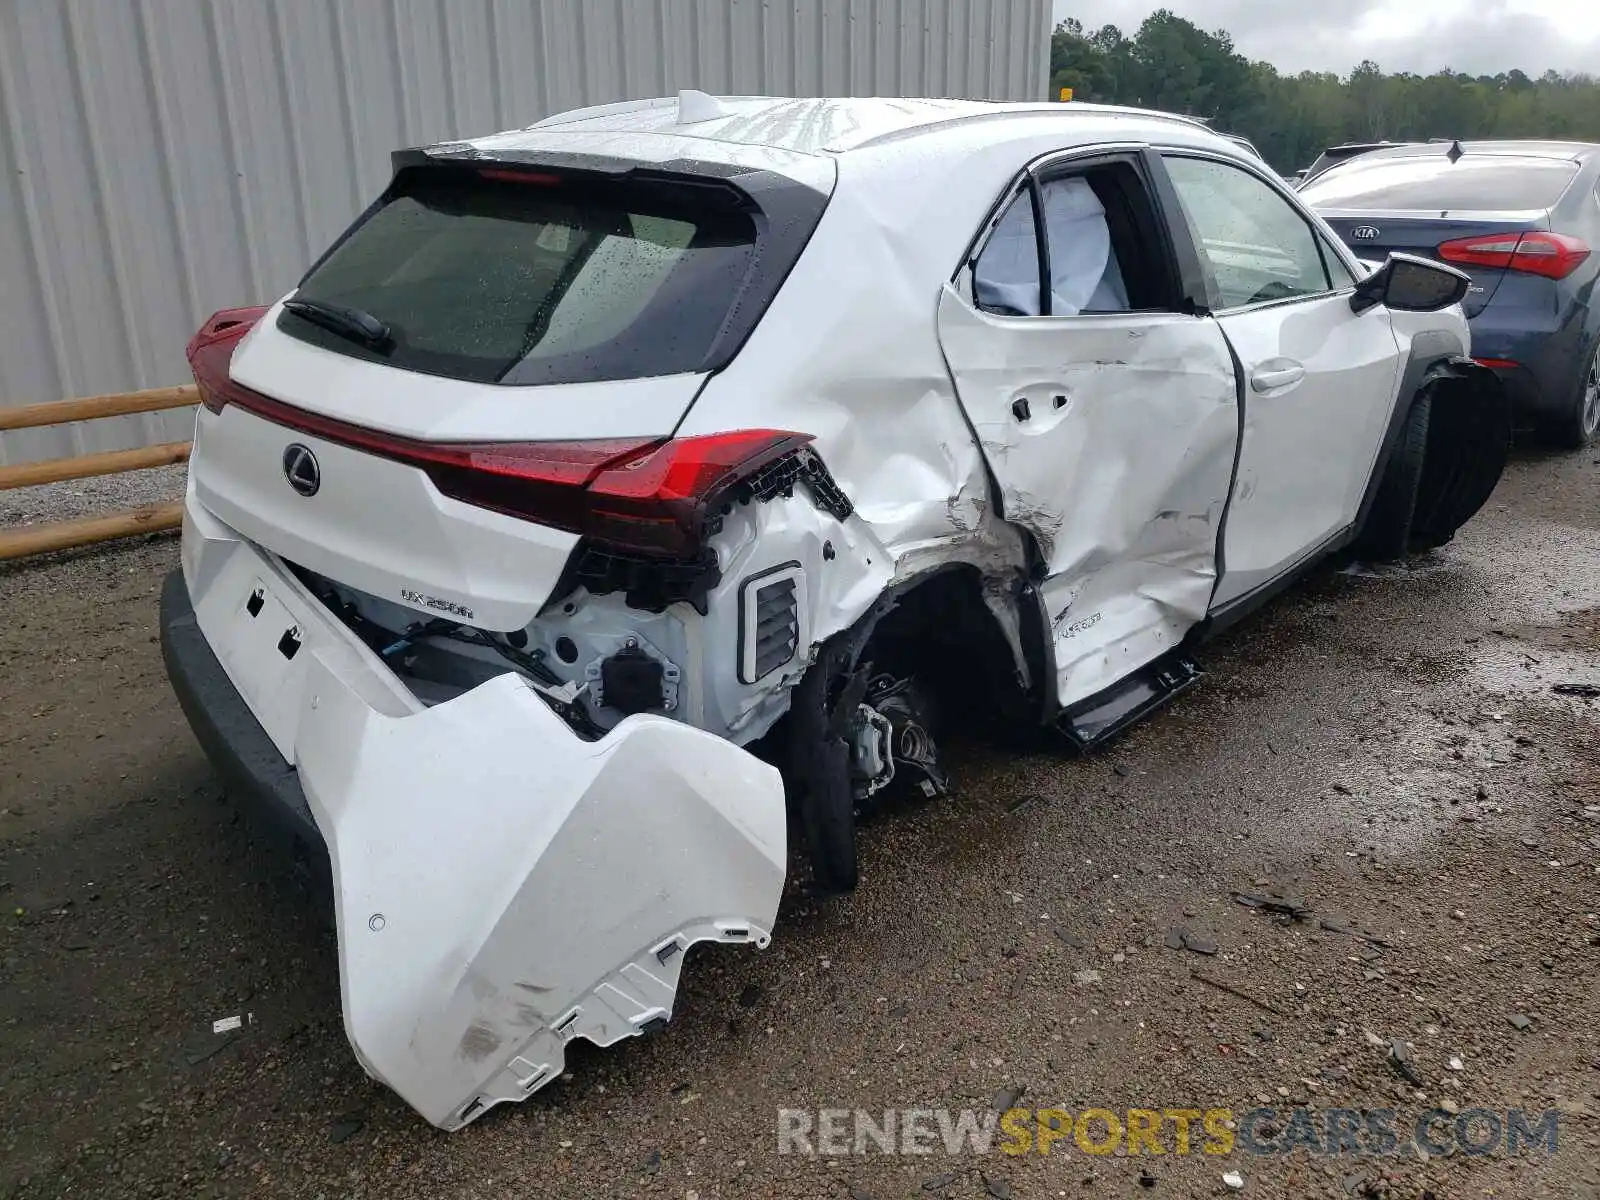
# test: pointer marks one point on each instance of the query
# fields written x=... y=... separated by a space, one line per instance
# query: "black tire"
x=1386 y=536
x=1582 y=422
x=827 y=813
x=818 y=778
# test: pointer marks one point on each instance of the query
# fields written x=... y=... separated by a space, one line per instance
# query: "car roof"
x=820 y=125
x=1359 y=147
x=1526 y=148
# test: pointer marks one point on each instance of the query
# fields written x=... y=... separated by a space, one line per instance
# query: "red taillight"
x=541 y=178
x=648 y=494
x=661 y=496
x=1553 y=255
x=1500 y=364
x=211 y=348
x=651 y=495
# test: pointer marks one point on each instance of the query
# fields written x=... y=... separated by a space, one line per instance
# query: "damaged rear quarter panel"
x=848 y=352
x=843 y=570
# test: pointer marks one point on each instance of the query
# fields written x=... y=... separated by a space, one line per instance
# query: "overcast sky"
x=1483 y=37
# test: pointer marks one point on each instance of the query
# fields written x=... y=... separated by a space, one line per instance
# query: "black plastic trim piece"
x=1041 y=245
x=649 y=584
x=1220 y=554
x=1235 y=610
x=748 y=586
x=1427 y=351
x=1182 y=253
x=1097 y=719
x=1033 y=631
x=825 y=490
x=805 y=466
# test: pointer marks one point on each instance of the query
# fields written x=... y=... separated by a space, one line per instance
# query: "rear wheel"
x=1386 y=536
x=1582 y=422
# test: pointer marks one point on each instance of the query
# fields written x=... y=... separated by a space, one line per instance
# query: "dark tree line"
x=1174 y=65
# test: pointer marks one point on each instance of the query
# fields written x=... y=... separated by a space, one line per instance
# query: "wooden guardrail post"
x=63 y=535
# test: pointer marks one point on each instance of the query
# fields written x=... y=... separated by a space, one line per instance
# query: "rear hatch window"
x=1482 y=183
x=528 y=277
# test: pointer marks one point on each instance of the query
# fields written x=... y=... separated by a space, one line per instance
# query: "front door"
x=1319 y=380
x=1108 y=418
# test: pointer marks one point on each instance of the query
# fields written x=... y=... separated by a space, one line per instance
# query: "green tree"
x=1173 y=65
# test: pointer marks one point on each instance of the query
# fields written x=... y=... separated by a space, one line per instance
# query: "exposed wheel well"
x=937 y=630
x=1469 y=443
x=942 y=631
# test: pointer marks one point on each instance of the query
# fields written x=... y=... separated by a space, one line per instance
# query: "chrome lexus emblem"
x=301 y=470
x=1365 y=233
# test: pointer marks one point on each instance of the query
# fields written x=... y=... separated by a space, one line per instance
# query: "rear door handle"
x=1277 y=377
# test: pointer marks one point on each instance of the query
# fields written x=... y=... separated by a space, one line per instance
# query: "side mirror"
x=1409 y=283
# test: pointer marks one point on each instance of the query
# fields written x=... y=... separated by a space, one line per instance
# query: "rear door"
x=1107 y=414
x=1320 y=380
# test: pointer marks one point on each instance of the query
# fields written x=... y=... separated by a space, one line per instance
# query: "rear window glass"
x=541 y=280
x=1482 y=183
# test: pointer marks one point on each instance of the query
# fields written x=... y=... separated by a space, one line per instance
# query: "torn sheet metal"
x=839 y=569
x=501 y=885
x=1112 y=439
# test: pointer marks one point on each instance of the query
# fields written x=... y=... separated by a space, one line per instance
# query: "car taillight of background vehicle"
x=1553 y=255
x=651 y=495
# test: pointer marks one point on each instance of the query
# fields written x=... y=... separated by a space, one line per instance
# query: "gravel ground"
x=94 y=497
x=1384 y=748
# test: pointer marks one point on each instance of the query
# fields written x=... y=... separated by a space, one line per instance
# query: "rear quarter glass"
x=537 y=278
x=1432 y=183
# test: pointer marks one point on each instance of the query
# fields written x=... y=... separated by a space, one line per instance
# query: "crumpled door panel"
x=1113 y=440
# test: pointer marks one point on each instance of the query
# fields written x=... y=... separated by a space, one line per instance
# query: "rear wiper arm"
x=350 y=323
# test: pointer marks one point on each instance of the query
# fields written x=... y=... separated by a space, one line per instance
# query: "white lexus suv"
x=620 y=493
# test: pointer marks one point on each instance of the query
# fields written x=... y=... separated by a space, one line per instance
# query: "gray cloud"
x=1338 y=34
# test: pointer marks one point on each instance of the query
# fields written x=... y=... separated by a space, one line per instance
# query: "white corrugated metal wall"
x=162 y=159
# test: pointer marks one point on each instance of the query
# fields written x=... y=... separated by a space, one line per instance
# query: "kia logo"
x=301 y=470
x=1365 y=233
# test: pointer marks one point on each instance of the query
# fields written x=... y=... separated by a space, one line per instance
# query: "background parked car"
x=1334 y=155
x=1244 y=143
x=1522 y=218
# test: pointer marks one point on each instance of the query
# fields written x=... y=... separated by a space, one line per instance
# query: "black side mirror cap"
x=1411 y=283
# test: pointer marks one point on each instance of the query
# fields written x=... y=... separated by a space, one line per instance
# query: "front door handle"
x=1276 y=377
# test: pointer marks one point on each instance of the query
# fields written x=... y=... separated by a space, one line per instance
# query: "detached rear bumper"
x=240 y=750
x=501 y=886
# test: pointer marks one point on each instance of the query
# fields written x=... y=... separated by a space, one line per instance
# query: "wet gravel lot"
x=1383 y=754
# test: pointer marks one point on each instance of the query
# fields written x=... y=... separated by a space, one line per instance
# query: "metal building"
x=161 y=159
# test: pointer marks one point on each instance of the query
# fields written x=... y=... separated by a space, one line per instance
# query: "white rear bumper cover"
x=501 y=886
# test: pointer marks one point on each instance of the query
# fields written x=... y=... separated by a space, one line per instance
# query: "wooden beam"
x=116 y=404
x=111 y=462
x=63 y=535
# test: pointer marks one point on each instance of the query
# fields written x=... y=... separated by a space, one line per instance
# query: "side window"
x=1258 y=248
x=1005 y=279
x=1102 y=246
x=1339 y=274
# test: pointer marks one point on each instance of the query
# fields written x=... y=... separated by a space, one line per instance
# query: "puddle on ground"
x=1529 y=659
x=1420 y=567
